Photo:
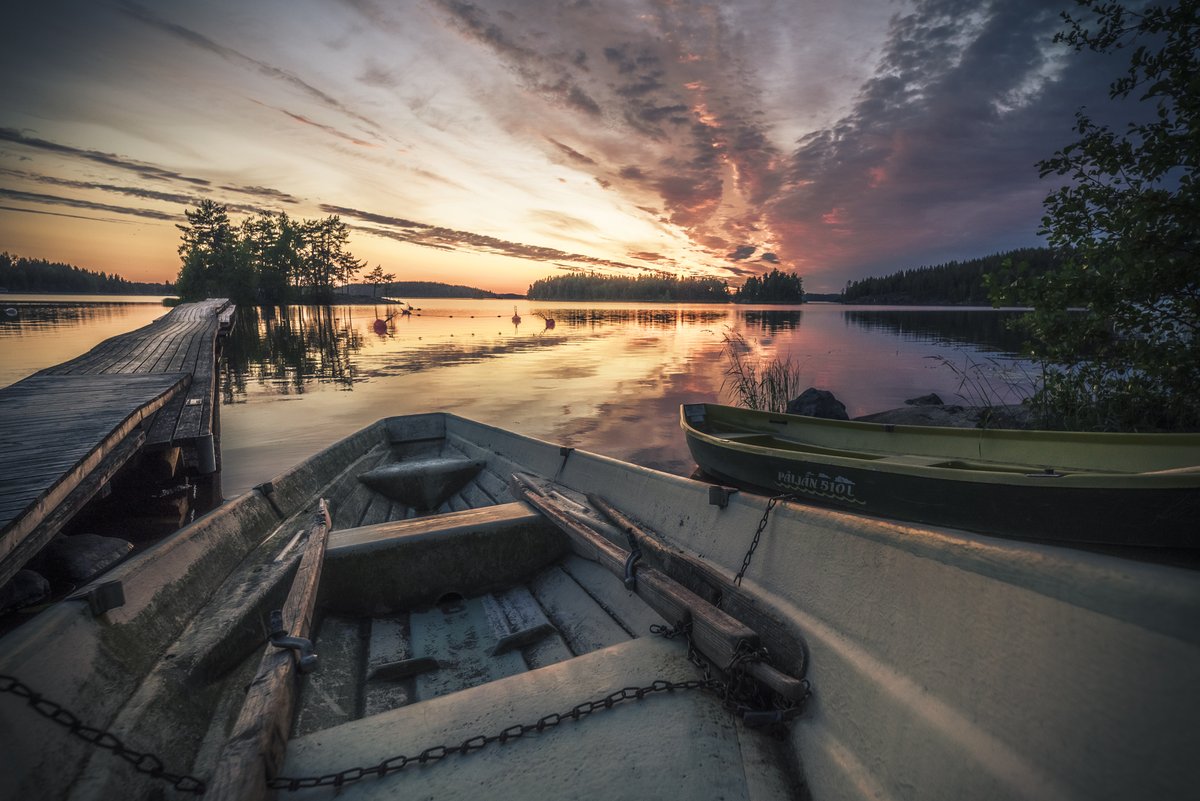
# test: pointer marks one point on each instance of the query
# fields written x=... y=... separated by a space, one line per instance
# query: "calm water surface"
x=607 y=377
x=37 y=331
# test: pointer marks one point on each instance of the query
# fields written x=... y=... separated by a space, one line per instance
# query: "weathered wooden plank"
x=38 y=477
x=50 y=446
x=75 y=500
x=258 y=744
x=715 y=633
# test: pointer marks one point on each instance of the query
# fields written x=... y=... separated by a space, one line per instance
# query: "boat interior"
x=447 y=610
x=469 y=644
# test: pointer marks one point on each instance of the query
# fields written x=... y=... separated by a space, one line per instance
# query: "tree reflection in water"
x=773 y=320
x=990 y=328
x=288 y=347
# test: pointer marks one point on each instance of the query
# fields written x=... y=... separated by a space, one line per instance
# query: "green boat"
x=1081 y=488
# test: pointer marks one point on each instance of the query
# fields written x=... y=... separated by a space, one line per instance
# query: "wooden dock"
x=69 y=430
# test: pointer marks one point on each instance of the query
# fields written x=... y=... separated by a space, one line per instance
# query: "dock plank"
x=70 y=420
x=36 y=477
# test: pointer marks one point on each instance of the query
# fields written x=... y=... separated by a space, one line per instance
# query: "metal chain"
x=141 y=762
x=739 y=692
x=762 y=524
x=439 y=752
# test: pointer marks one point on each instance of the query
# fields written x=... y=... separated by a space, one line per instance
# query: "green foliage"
x=773 y=287
x=212 y=262
x=1117 y=322
x=378 y=278
x=18 y=274
x=271 y=245
x=325 y=260
x=660 y=288
x=269 y=258
x=953 y=283
x=766 y=387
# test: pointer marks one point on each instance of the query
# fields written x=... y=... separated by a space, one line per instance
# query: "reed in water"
x=765 y=386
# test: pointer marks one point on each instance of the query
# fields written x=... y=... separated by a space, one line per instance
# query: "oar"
x=255 y=750
x=714 y=633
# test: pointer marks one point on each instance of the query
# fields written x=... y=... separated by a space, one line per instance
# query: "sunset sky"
x=495 y=142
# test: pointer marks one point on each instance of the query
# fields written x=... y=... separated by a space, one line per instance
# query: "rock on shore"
x=953 y=416
x=927 y=410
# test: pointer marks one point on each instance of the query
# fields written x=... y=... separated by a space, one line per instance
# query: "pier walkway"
x=66 y=431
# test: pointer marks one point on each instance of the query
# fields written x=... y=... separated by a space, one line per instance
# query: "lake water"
x=607 y=377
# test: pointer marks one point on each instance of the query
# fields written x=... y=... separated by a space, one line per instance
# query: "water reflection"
x=17 y=318
x=773 y=320
x=289 y=347
x=649 y=317
x=608 y=377
x=943 y=326
x=36 y=332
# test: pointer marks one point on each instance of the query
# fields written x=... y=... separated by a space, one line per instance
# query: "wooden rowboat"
x=1094 y=488
x=491 y=615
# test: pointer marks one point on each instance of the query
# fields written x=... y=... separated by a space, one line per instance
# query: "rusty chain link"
x=762 y=524
x=142 y=762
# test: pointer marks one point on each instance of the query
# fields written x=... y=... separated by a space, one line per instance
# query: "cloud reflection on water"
x=608 y=378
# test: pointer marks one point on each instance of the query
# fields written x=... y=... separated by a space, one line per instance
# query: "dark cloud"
x=743 y=252
x=936 y=158
x=199 y=40
x=571 y=152
x=546 y=74
x=329 y=129
x=140 y=169
x=403 y=230
x=769 y=257
x=132 y=191
x=62 y=214
x=366 y=216
x=108 y=159
x=77 y=203
x=263 y=192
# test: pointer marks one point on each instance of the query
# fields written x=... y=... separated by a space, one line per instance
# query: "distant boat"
x=516 y=318
x=1119 y=489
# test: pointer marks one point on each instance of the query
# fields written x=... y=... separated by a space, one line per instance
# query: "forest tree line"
x=19 y=274
x=774 y=287
x=421 y=289
x=661 y=288
x=955 y=283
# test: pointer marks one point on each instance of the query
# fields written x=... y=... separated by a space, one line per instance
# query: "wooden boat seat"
x=504 y=515
x=398 y=565
x=671 y=744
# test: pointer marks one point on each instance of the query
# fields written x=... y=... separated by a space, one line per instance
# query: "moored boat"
x=1139 y=490
x=472 y=639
